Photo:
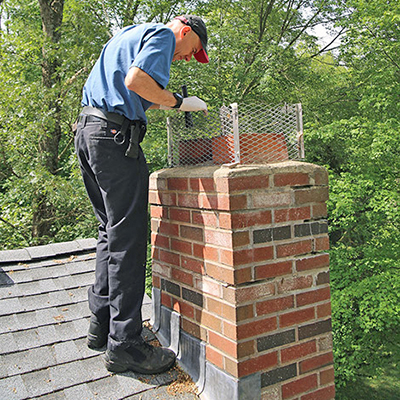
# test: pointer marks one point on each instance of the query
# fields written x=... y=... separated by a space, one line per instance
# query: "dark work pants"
x=118 y=189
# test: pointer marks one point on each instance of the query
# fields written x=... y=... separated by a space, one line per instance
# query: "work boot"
x=98 y=333
x=142 y=358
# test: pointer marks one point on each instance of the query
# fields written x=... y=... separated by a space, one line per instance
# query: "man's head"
x=191 y=38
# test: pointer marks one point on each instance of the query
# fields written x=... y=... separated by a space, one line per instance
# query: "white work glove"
x=193 y=103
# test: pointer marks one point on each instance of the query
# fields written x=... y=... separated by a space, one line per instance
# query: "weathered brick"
x=243 y=275
x=160 y=241
x=323 y=278
x=168 y=229
x=220 y=273
x=247 y=183
x=294 y=283
x=274 y=305
x=312 y=262
x=319 y=210
x=299 y=386
x=324 y=310
x=214 y=356
x=245 y=312
x=269 y=234
x=188 y=200
x=260 y=363
x=327 y=376
x=311 y=195
x=317 y=328
x=206 y=218
x=321 y=243
x=209 y=320
x=246 y=219
x=218 y=238
x=246 y=349
x=278 y=375
x=292 y=214
x=248 y=256
x=192 y=297
x=166 y=300
x=158 y=212
x=254 y=292
x=208 y=201
x=191 y=233
x=182 y=276
x=275 y=340
x=266 y=200
x=298 y=351
x=169 y=257
x=240 y=239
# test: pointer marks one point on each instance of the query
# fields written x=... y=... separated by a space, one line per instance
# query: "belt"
x=137 y=127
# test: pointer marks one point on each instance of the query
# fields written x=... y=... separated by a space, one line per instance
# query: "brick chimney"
x=241 y=278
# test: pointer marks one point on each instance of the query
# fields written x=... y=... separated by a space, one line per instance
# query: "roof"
x=44 y=317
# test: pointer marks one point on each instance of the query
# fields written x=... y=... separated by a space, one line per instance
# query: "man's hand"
x=193 y=103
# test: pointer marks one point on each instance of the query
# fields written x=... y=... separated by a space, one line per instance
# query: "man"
x=129 y=77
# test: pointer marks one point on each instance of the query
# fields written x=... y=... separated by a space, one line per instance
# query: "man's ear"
x=184 y=31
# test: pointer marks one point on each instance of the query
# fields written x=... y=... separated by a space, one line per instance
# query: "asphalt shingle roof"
x=44 y=317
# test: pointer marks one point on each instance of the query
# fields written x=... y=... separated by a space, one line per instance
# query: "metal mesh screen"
x=243 y=134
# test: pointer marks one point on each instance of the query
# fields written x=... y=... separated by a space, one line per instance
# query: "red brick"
x=167 y=199
x=240 y=239
x=273 y=270
x=187 y=310
x=192 y=264
x=205 y=218
x=229 y=330
x=169 y=258
x=316 y=362
x=214 y=357
x=178 y=184
x=298 y=351
x=191 y=233
x=182 y=276
x=246 y=349
x=177 y=214
x=313 y=262
x=294 y=248
x=292 y=179
x=219 y=238
x=314 y=296
x=202 y=184
x=222 y=343
x=299 y=386
x=295 y=283
x=194 y=329
x=260 y=363
x=208 y=201
x=251 y=218
x=220 y=273
x=181 y=246
x=296 y=317
x=158 y=212
x=255 y=328
x=156 y=281
x=225 y=220
x=222 y=309
x=321 y=244
x=166 y=300
x=327 y=376
x=292 y=214
x=274 y=305
x=168 y=229
x=211 y=253
x=160 y=241
x=327 y=393
x=263 y=253
x=237 y=202
x=248 y=182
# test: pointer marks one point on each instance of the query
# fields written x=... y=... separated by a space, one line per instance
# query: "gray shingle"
x=81 y=392
x=13 y=388
x=38 y=383
x=66 y=351
x=7 y=343
x=9 y=256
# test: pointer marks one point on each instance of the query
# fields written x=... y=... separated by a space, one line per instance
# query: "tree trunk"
x=49 y=139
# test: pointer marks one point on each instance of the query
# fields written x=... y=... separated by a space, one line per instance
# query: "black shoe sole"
x=95 y=343
x=116 y=368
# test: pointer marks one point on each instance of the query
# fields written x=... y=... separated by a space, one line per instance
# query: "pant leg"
x=122 y=185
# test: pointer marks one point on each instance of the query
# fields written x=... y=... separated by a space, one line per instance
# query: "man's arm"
x=145 y=86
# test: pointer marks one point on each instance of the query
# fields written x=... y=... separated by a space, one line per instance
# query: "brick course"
x=241 y=254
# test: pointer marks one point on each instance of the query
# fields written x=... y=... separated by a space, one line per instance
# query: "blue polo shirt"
x=149 y=47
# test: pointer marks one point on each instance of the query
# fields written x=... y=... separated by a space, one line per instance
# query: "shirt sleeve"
x=155 y=55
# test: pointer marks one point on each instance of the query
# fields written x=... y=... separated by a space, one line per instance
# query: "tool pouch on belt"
x=137 y=133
